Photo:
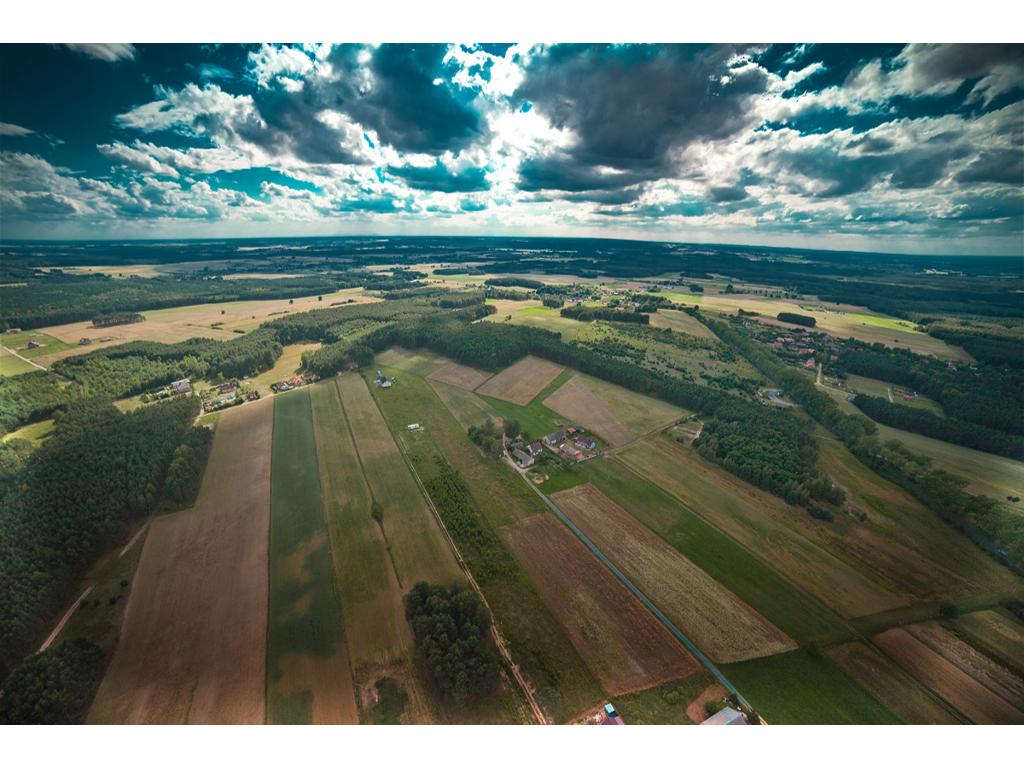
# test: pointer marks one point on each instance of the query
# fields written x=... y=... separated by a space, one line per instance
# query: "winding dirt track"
x=193 y=644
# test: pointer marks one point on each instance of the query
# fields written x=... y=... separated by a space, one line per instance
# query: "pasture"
x=621 y=641
x=193 y=641
x=522 y=381
x=996 y=633
x=467 y=407
x=678 y=321
x=12 y=365
x=49 y=344
x=533 y=313
x=968 y=696
x=893 y=687
x=717 y=621
x=799 y=689
x=308 y=675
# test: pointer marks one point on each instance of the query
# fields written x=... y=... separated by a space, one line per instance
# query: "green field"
x=48 y=344
x=535 y=418
x=306 y=651
x=12 y=365
x=664 y=704
x=468 y=407
x=35 y=433
x=534 y=635
x=795 y=613
x=800 y=689
x=536 y=315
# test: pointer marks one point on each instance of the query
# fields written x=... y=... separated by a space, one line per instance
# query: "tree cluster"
x=30 y=397
x=797 y=319
x=54 y=687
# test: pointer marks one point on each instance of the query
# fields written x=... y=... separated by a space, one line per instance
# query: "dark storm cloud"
x=381 y=204
x=438 y=178
x=934 y=64
x=400 y=100
x=727 y=194
x=630 y=107
x=1002 y=166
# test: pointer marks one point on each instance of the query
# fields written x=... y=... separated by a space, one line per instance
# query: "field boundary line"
x=25 y=359
x=646 y=601
x=64 y=620
x=499 y=639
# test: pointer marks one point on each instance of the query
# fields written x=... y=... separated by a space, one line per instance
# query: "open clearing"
x=758 y=521
x=461 y=376
x=416 y=543
x=980 y=667
x=799 y=689
x=622 y=642
x=308 y=676
x=996 y=632
x=971 y=698
x=891 y=685
x=678 y=321
x=193 y=643
x=721 y=624
x=521 y=381
x=12 y=365
x=35 y=432
x=287 y=365
x=534 y=313
x=213 y=321
x=468 y=407
x=578 y=403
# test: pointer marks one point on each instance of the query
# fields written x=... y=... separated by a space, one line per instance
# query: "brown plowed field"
x=522 y=381
x=193 y=644
x=997 y=678
x=970 y=697
x=722 y=625
x=578 y=402
x=461 y=376
x=621 y=641
x=891 y=685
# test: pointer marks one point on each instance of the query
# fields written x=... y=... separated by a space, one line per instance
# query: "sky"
x=902 y=148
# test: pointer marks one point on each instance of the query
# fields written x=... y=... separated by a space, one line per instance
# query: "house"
x=33 y=345
x=809 y=364
x=727 y=716
x=522 y=458
x=84 y=341
x=611 y=717
x=225 y=387
x=14 y=330
x=181 y=385
x=586 y=444
x=535 y=448
x=383 y=381
x=571 y=452
x=554 y=440
x=415 y=427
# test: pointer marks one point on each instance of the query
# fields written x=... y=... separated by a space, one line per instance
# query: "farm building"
x=522 y=458
x=415 y=427
x=84 y=341
x=14 y=330
x=383 y=381
x=571 y=452
x=225 y=387
x=33 y=344
x=586 y=444
x=554 y=440
x=181 y=385
x=611 y=717
x=535 y=448
x=727 y=716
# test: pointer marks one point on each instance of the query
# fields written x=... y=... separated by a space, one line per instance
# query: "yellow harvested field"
x=577 y=402
x=891 y=685
x=522 y=381
x=621 y=641
x=640 y=413
x=214 y=321
x=678 y=321
x=971 y=698
x=193 y=642
x=460 y=376
x=758 y=521
x=722 y=625
x=287 y=365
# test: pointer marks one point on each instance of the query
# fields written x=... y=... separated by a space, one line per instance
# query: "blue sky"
x=915 y=148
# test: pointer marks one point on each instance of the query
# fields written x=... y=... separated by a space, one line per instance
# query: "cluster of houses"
x=225 y=395
x=571 y=443
x=179 y=387
x=294 y=382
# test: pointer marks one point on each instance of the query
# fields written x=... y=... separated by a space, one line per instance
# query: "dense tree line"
x=30 y=397
x=339 y=356
x=989 y=348
x=514 y=282
x=797 y=319
x=451 y=628
x=53 y=298
x=983 y=394
x=185 y=473
x=116 y=318
x=457 y=300
x=951 y=430
x=72 y=498
x=584 y=314
x=55 y=687
x=554 y=302
x=985 y=521
x=128 y=369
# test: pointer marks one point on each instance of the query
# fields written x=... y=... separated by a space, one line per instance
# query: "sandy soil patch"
x=193 y=644
x=695 y=709
x=621 y=641
x=722 y=625
x=522 y=381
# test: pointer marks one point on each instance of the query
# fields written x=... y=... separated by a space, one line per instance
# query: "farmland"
x=193 y=643
x=461 y=376
x=718 y=622
x=996 y=633
x=12 y=365
x=287 y=365
x=522 y=381
x=578 y=403
x=681 y=322
x=308 y=675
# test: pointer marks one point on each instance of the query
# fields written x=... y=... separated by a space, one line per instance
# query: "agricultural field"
x=193 y=641
x=893 y=687
x=308 y=675
x=287 y=365
x=461 y=376
x=49 y=345
x=521 y=381
x=997 y=633
x=213 y=321
x=533 y=313
x=876 y=388
x=718 y=622
x=579 y=403
x=622 y=642
x=470 y=409
x=958 y=688
x=639 y=413
x=12 y=365
x=669 y=704
x=678 y=321
x=535 y=419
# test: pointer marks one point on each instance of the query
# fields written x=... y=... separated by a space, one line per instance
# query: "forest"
x=73 y=497
x=585 y=314
x=797 y=319
x=54 y=687
x=31 y=397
